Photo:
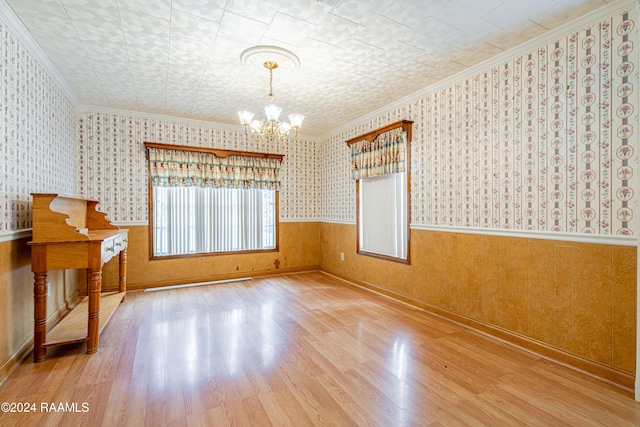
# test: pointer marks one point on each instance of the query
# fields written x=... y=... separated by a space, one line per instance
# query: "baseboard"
x=226 y=276
x=605 y=373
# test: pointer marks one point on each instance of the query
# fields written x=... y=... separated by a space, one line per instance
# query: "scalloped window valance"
x=178 y=166
x=381 y=152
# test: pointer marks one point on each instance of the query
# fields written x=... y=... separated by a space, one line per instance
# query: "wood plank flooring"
x=300 y=350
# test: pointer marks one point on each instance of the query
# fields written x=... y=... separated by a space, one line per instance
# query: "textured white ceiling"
x=182 y=57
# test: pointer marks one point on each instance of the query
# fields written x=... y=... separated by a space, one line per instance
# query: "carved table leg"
x=123 y=272
x=93 y=291
x=39 y=316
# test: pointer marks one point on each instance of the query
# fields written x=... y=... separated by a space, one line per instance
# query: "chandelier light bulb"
x=284 y=128
x=272 y=112
x=296 y=120
x=245 y=117
x=256 y=125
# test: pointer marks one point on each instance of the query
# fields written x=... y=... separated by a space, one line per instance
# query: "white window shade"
x=383 y=221
x=194 y=220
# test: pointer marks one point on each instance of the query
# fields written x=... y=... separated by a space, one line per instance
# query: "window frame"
x=406 y=126
x=218 y=153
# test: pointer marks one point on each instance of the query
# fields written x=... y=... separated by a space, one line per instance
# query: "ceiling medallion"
x=254 y=58
x=271 y=58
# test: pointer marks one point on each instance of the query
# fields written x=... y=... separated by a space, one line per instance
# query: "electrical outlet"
x=48 y=289
x=341 y=256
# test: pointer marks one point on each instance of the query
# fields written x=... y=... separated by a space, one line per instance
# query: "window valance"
x=381 y=152
x=178 y=166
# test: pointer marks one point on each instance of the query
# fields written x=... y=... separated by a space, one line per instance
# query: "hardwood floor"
x=299 y=350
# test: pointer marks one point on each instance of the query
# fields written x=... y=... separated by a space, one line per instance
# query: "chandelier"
x=271 y=129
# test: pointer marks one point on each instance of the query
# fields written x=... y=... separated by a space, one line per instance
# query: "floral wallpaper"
x=113 y=166
x=545 y=141
x=37 y=142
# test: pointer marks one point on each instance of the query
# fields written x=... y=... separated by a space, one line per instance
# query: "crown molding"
x=16 y=26
x=586 y=20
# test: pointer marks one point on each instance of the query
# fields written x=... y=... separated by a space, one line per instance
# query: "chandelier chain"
x=271 y=65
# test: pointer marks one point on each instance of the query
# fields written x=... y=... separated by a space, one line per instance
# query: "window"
x=195 y=220
x=382 y=221
x=380 y=165
x=207 y=201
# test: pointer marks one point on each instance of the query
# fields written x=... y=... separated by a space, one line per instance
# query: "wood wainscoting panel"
x=440 y=251
x=563 y=304
x=542 y=313
x=486 y=275
x=513 y=297
x=16 y=302
x=592 y=302
x=623 y=307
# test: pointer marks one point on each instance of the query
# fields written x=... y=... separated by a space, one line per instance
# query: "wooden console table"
x=69 y=233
